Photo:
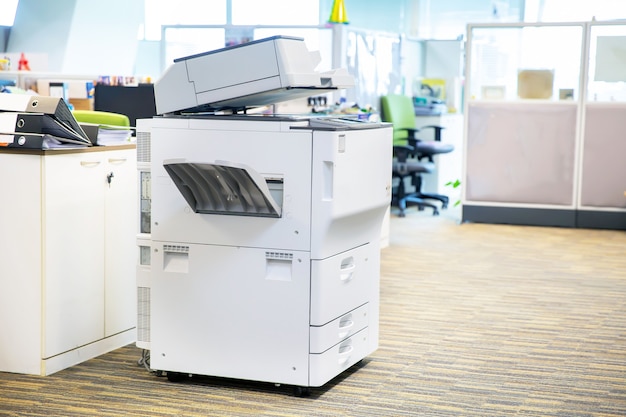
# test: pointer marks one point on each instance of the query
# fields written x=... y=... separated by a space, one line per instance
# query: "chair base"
x=443 y=198
x=402 y=199
x=413 y=199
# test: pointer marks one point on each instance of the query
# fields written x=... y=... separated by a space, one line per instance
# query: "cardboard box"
x=82 y=103
x=535 y=83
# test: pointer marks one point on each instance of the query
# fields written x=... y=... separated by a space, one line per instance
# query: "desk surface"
x=61 y=151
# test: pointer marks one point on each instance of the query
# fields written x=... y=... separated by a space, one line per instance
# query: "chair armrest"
x=411 y=132
x=402 y=152
x=438 y=130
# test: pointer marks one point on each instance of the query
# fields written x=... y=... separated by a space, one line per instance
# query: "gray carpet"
x=476 y=320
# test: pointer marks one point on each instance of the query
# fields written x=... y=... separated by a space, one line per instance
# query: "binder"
x=31 y=141
x=40 y=123
x=55 y=107
x=91 y=129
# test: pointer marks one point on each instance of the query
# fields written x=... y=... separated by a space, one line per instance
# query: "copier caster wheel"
x=301 y=391
x=175 y=376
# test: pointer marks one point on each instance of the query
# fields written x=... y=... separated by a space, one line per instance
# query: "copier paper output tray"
x=222 y=188
x=257 y=73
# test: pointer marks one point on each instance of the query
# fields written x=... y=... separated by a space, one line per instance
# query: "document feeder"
x=254 y=74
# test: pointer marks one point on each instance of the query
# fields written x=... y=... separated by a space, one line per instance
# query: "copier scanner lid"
x=253 y=74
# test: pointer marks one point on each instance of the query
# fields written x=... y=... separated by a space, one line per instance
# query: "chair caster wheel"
x=402 y=214
x=444 y=206
x=301 y=391
x=436 y=213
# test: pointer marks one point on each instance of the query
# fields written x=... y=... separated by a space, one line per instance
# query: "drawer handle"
x=344 y=328
x=117 y=160
x=347 y=273
x=344 y=354
x=89 y=163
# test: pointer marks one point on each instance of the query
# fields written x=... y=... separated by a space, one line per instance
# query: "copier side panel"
x=273 y=152
x=230 y=312
x=351 y=188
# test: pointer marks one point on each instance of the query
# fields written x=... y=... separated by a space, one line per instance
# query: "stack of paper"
x=107 y=135
x=111 y=135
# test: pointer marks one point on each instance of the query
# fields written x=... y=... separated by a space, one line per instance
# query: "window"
x=9 y=7
x=568 y=11
x=190 y=27
x=275 y=12
x=181 y=12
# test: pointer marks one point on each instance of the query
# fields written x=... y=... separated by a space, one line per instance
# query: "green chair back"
x=101 y=118
x=399 y=111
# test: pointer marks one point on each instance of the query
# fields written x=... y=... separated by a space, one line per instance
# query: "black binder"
x=40 y=123
x=53 y=107
x=33 y=141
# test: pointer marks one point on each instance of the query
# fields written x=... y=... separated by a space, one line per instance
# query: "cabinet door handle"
x=89 y=163
x=117 y=160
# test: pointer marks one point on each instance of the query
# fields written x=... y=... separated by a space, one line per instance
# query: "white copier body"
x=289 y=294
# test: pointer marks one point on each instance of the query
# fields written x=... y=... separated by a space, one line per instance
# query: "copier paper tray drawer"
x=223 y=188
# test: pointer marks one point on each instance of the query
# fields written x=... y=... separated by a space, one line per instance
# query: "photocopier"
x=260 y=234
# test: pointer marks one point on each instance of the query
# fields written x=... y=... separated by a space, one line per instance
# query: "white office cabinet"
x=67 y=289
x=120 y=248
x=73 y=247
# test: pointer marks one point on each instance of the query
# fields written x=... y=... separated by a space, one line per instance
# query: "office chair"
x=404 y=168
x=399 y=111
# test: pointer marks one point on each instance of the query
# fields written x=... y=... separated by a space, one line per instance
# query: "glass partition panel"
x=607 y=63
x=526 y=62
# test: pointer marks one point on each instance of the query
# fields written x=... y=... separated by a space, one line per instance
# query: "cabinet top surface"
x=57 y=151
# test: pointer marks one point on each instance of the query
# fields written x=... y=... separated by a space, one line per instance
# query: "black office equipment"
x=136 y=102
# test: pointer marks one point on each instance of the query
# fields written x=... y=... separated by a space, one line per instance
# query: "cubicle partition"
x=545 y=128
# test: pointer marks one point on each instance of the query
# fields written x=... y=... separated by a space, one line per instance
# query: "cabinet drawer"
x=325 y=366
x=323 y=337
x=342 y=283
